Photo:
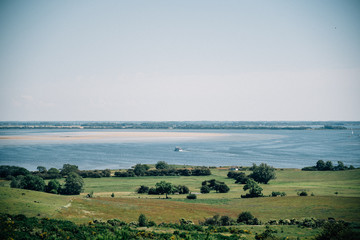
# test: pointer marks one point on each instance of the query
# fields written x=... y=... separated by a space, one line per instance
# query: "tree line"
x=328 y=166
x=162 y=169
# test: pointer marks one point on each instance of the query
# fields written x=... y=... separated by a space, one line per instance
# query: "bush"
x=337 y=230
x=275 y=194
x=162 y=165
x=213 y=184
x=128 y=173
x=303 y=194
x=245 y=217
x=205 y=189
x=142 y=220
x=152 y=191
x=191 y=196
x=143 y=189
x=222 y=188
x=140 y=169
x=182 y=189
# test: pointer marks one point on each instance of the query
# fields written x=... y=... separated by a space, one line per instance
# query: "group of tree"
x=243 y=218
x=162 y=169
x=163 y=187
x=74 y=184
x=328 y=166
x=12 y=171
x=261 y=174
x=53 y=173
x=214 y=184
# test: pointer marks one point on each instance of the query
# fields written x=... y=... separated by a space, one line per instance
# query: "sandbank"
x=104 y=135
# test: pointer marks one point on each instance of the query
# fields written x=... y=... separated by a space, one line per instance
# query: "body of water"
x=279 y=148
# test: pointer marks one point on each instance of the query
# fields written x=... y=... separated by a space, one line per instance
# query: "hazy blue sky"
x=180 y=60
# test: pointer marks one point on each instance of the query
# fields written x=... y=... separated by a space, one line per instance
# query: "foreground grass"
x=31 y=203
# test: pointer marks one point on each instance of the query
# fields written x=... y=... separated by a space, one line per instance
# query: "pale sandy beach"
x=104 y=135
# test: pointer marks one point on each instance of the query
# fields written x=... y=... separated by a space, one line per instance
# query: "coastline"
x=104 y=135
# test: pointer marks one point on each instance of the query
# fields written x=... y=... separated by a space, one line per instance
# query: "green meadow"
x=334 y=194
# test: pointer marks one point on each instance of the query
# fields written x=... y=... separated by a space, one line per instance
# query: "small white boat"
x=178 y=149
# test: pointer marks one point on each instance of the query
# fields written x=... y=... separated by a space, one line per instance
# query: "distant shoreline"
x=102 y=135
x=184 y=125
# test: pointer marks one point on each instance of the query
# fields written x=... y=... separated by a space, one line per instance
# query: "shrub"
x=142 y=220
x=303 y=194
x=275 y=194
x=143 y=189
x=205 y=189
x=337 y=230
x=153 y=191
x=191 y=196
x=161 y=165
x=245 y=217
x=222 y=188
x=182 y=189
x=213 y=184
x=140 y=169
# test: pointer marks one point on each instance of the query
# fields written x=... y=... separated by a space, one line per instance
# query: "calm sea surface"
x=279 y=148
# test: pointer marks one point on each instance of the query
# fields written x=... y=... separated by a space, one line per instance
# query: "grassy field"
x=128 y=205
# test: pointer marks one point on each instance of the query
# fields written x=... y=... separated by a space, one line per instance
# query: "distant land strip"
x=205 y=125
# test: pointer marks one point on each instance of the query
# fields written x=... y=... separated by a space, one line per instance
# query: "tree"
x=68 y=168
x=245 y=217
x=53 y=187
x=164 y=188
x=140 y=169
x=41 y=169
x=53 y=171
x=222 y=188
x=263 y=173
x=340 y=166
x=17 y=182
x=320 y=165
x=35 y=183
x=328 y=166
x=254 y=189
x=161 y=165
x=74 y=184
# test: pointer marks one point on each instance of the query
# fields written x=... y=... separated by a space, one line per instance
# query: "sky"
x=141 y=60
